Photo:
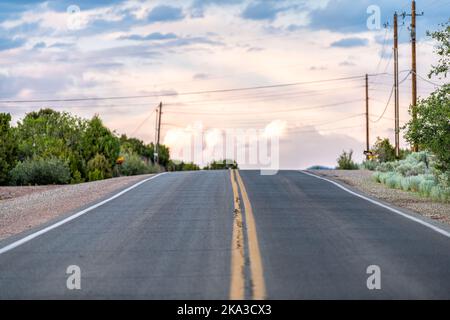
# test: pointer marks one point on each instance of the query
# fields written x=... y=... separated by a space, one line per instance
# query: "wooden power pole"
x=414 y=65
x=367 y=118
x=396 y=93
x=158 y=133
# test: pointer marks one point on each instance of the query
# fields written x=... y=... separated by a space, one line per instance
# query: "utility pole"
x=396 y=93
x=413 y=63
x=158 y=135
x=367 y=119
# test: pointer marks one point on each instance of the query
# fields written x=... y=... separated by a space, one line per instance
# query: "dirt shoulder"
x=362 y=180
x=23 y=208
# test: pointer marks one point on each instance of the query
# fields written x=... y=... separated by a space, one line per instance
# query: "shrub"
x=318 y=167
x=8 y=148
x=411 y=169
x=190 y=166
x=95 y=175
x=426 y=186
x=431 y=128
x=222 y=165
x=376 y=176
x=76 y=177
x=345 y=161
x=393 y=180
x=387 y=166
x=134 y=165
x=383 y=150
x=405 y=184
x=40 y=171
x=414 y=183
x=98 y=168
x=369 y=165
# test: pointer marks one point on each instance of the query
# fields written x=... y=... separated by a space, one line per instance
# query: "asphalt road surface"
x=224 y=234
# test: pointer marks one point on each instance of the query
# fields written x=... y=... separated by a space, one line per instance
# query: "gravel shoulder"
x=362 y=180
x=23 y=208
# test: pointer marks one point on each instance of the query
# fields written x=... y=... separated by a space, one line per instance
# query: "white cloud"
x=148 y=67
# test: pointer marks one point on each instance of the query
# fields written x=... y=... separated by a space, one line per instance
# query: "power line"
x=327 y=129
x=385 y=108
x=275 y=111
x=426 y=80
x=182 y=93
x=143 y=121
x=382 y=50
x=389 y=99
x=244 y=99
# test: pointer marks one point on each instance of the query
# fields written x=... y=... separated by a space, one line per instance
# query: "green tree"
x=163 y=155
x=8 y=148
x=383 y=150
x=48 y=134
x=431 y=129
x=132 y=145
x=99 y=168
x=98 y=139
x=442 y=38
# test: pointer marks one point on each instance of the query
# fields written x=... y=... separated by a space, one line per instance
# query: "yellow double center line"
x=237 y=286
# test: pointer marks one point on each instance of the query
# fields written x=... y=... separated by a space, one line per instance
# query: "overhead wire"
x=168 y=94
x=389 y=99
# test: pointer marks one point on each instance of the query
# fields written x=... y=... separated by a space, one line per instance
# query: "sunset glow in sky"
x=165 y=49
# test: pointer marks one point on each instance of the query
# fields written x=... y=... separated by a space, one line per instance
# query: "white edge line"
x=424 y=223
x=72 y=217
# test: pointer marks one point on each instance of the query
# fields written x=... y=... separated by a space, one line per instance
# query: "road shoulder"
x=360 y=182
x=25 y=214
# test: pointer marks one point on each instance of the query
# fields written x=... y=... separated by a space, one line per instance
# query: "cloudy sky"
x=170 y=50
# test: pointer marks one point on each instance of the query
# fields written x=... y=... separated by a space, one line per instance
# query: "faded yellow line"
x=237 y=251
x=256 y=267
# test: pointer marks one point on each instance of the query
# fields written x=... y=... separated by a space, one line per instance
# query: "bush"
x=98 y=168
x=387 y=166
x=414 y=183
x=393 y=180
x=425 y=187
x=76 y=177
x=431 y=129
x=345 y=161
x=40 y=171
x=426 y=184
x=8 y=148
x=405 y=184
x=222 y=165
x=319 y=167
x=376 y=176
x=383 y=150
x=95 y=175
x=369 y=165
x=134 y=165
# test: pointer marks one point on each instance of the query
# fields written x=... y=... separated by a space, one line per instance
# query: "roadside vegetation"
x=417 y=173
x=345 y=161
x=51 y=147
x=221 y=165
x=427 y=172
x=175 y=165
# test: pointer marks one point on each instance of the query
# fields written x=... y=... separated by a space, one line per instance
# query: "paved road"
x=318 y=240
x=177 y=237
